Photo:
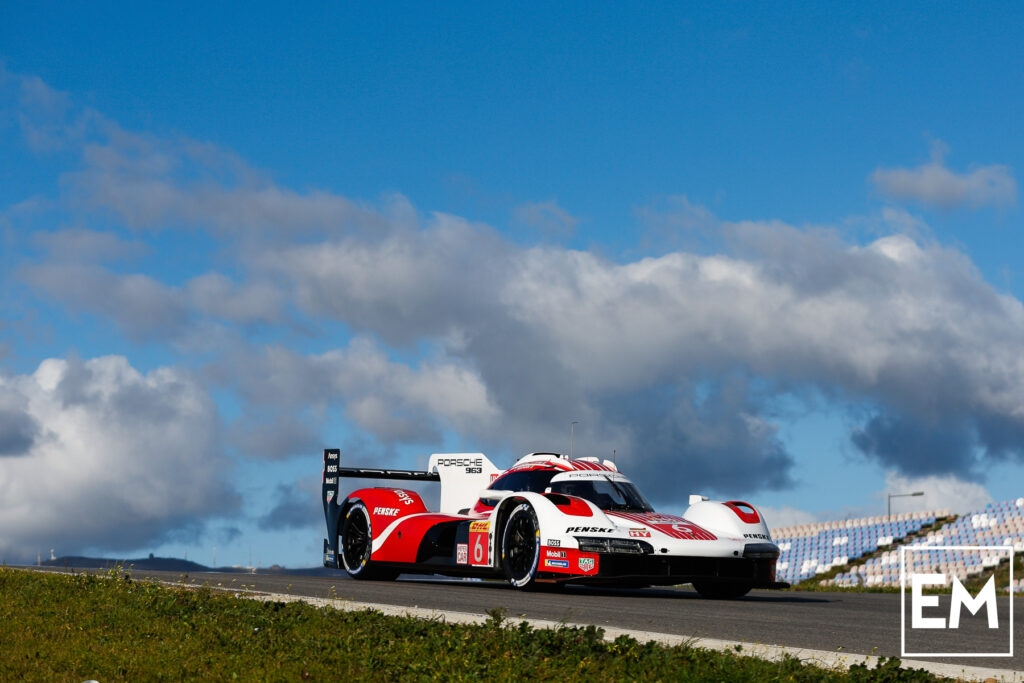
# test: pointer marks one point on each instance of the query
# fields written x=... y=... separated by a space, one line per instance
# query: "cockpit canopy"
x=607 y=490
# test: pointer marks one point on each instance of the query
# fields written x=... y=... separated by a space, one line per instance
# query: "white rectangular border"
x=903 y=611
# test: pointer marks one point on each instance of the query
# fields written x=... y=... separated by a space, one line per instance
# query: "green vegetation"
x=73 y=628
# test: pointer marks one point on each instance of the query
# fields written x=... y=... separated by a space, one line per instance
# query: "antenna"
x=572 y=427
x=613 y=456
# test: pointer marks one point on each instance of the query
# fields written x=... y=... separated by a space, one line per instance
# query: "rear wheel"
x=355 y=543
x=520 y=547
x=721 y=591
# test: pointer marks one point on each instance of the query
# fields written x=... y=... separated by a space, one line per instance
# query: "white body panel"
x=462 y=477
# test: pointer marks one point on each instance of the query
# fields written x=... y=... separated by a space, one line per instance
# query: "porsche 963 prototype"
x=546 y=520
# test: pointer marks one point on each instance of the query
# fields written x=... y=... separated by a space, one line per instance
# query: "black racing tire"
x=520 y=547
x=355 y=543
x=716 y=590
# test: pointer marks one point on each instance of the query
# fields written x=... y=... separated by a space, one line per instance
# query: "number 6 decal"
x=478 y=549
x=478 y=540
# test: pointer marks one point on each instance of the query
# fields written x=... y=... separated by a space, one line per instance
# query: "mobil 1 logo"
x=941 y=616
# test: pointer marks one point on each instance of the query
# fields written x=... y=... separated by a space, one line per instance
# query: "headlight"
x=592 y=544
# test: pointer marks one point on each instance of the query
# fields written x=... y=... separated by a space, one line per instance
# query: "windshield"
x=604 y=493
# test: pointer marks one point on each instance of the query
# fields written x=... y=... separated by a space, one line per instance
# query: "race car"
x=547 y=521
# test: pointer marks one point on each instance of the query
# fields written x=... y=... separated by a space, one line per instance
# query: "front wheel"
x=721 y=591
x=355 y=543
x=520 y=547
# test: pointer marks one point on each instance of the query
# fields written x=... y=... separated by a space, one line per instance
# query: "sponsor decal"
x=330 y=495
x=554 y=543
x=477 y=527
x=494 y=477
x=586 y=564
x=330 y=480
x=555 y=553
x=462 y=553
x=588 y=530
x=561 y=564
x=472 y=465
x=639 y=533
x=591 y=474
x=404 y=497
x=386 y=512
x=692 y=532
x=763 y=537
x=332 y=468
x=935 y=618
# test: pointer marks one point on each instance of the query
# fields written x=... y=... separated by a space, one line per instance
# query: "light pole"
x=901 y=495
x=572 y=429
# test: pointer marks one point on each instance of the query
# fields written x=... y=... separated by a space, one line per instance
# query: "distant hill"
x=174 y=564
x=167 y=564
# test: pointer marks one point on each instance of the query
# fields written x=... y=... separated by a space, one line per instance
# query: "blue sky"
x=761 y=251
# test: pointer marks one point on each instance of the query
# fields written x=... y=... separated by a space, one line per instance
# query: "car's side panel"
x=386 y=505
x=400 y=541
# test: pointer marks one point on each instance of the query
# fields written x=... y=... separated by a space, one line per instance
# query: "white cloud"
x=87 y=246
x=121 y=460
x=785 y=516
x=146 y=308
x=670 y=358
x=936 y=185
x=941 y=492
x=389 y=400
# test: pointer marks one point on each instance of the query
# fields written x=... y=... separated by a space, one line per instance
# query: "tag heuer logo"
x=586 y=564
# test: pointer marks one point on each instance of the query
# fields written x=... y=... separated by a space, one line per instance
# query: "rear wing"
x=333 y=471
x=462 y=475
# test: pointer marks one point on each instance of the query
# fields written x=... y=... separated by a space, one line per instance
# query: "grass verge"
x=73 y=628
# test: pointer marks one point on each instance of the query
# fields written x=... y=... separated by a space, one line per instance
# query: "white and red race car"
x=548 y=520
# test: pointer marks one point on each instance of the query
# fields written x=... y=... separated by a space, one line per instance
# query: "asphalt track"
x=862 y=623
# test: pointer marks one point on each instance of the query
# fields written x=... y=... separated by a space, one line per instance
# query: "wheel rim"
x=355 y=540
x=521 y=545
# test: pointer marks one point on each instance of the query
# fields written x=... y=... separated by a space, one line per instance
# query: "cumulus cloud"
x=274 y=435
x=673 y=360
x=145 y=308
x=941 y=492
x=936 y=185
x=142 y=306
x=153 y=183
x=784 y=516
x=87 y=246
x=120 y=459
x=390 y=400
x=555 y=333
x=297 y=506
x=18 y=428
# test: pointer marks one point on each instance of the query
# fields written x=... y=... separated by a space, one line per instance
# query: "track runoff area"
x=833 y=630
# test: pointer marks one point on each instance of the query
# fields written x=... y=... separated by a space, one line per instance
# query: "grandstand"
x=812 y=549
